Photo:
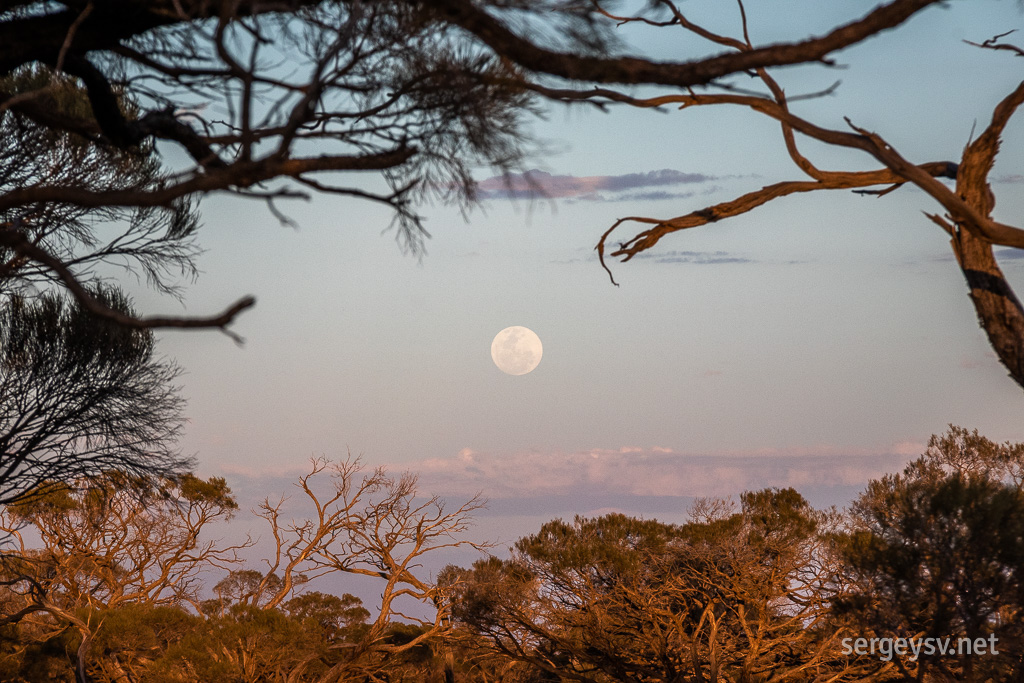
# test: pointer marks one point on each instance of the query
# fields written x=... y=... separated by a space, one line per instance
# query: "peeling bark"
x=999 y=310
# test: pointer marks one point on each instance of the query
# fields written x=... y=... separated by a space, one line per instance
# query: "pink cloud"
x=538 y=184
x=655 y=471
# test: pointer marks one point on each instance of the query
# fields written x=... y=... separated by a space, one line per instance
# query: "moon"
x=516 y=350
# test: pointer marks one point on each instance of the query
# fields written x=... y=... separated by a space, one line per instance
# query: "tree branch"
x=641 y=71
x=15 y=240
x=832 y=181
x=238 y=174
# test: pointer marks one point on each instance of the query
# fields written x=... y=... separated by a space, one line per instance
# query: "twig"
x=15 y=240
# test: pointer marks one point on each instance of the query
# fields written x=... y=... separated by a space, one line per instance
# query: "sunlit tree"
x=114 y=550
x=739 y=597
x=940 y=554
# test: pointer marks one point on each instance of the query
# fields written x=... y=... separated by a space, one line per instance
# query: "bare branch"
x=832 y=181
x=994 y=44
x=238 y=174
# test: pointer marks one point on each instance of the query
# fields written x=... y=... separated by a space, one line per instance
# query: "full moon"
x=516 y=350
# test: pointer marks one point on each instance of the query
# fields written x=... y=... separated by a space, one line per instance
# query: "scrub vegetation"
x=111 y=578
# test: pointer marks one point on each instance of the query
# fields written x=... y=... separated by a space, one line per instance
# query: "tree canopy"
x=298 y=91
x=101 y=584
x=80 y=397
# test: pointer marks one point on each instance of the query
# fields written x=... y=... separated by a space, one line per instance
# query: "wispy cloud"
x=601 y=188
x=650 y=472
x=1006 y=256
x=1010 y=254
x=697 y=257
x=683 y=257
x=973 y=362
x=522 y=488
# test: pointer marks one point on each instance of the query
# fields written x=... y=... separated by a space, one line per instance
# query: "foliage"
x=152 y=241
x=744 y=597
x=416 y=93
x=79 y=396
x=939 y=552
x=115 y=590
x=767 y=592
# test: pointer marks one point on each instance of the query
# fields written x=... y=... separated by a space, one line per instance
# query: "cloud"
x=988 y=359
x=606 y=477
x=911 y=449
x=624 y=471
x=525 y=489
x=682 y=257
x=1010 y=254
x=540 y=184
x=698 y=257
x=1006 y=256
x=1015 y=178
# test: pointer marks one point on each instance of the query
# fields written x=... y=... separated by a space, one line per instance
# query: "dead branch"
x=968 y=208
x=370 y=524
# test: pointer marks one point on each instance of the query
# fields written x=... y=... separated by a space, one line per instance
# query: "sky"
x=816 y=342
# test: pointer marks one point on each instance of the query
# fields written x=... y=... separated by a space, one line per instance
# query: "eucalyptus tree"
x=742 y=596
x=118 y=561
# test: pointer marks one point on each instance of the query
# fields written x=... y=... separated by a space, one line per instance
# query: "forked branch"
x=968 y=208
x=15 y=240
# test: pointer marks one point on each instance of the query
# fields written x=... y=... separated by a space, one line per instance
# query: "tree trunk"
x=80 y=675
x=999 y=310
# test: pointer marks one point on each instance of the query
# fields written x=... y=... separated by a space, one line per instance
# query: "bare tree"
x=297 y=91
x=119 y=554
x=370 y=524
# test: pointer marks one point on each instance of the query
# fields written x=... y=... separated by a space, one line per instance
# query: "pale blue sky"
x=838 y=327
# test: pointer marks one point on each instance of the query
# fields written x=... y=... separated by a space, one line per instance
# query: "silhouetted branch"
x=16 y=241
x=631 y=70
x=994 y=44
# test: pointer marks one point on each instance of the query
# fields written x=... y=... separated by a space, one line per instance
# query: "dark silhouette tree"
x=80 y=397
x=154 y=242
